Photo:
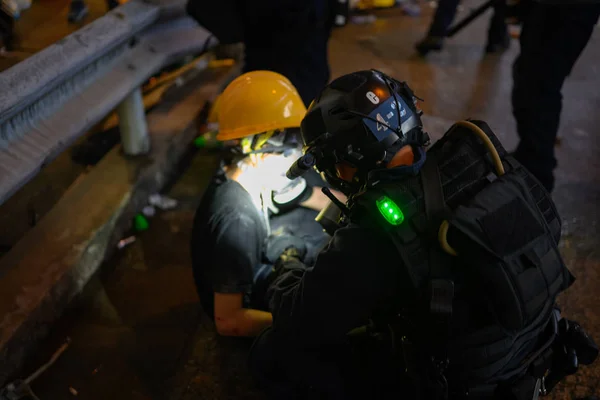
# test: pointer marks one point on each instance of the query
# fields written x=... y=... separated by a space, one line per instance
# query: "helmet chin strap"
x=343 y=185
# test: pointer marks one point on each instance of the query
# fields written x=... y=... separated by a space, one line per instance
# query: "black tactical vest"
x=486 y=314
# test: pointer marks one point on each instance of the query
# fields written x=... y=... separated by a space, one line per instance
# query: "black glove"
x=289 y=254
x=279 y=250
x=284 y=245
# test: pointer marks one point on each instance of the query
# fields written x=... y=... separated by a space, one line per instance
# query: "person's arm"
x=231 y=319
x=237 y=253
x=318 y=201
x=351 y=278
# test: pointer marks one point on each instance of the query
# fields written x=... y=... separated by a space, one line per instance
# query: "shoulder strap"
x=435 y=208
x=441 y=285
x=432 y=189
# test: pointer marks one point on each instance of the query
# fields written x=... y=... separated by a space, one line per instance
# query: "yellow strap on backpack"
x=443 y=231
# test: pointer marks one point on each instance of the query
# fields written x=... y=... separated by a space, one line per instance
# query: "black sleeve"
x=351 y=278
x=236 y=253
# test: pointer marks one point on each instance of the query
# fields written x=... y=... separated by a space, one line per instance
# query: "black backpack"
x=480 y=246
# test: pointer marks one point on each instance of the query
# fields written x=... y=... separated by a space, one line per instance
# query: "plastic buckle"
x=543 y=389
x=541 y=365
x=491 y=177
x=425 y=139
x=585 y=347
x=440 y=307
x=442 y=294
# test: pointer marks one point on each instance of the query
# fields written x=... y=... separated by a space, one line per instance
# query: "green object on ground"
x=140 y=223
x=208 y=140
x=200 y=142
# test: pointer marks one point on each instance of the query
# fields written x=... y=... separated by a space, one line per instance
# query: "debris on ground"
x=411 y=8
x=140 y=223
x=363 y=19
x=21 y=389
x=209 y=141
x=73 y=391
x=149 y=211
x=163 y=202
x=121 y=245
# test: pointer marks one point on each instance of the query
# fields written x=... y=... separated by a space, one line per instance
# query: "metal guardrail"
x=56 y=95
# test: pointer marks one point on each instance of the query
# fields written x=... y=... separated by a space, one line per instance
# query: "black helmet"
x=363 y=119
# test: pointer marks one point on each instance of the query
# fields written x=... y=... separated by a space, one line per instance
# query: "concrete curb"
x=54 y=261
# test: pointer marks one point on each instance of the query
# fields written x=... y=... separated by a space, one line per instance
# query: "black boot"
x=78 y=11
x=498 y=46
x=112 y=4
x=7 y=27
x=430 y=43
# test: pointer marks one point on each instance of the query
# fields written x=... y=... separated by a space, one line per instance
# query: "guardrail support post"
x=133 y=126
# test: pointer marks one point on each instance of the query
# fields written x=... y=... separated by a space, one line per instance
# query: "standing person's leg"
x=552 y=38
x=308 y=66
x=7 y=26
x=444 y=15
x=78 y=11
x=498 y=37
x=443 y=18
x=110 y=4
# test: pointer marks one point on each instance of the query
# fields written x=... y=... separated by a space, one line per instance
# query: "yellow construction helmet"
x=257 y=102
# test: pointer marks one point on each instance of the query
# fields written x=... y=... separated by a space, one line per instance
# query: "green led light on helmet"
x=390 y=210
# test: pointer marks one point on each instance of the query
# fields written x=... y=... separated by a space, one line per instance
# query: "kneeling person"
x=441 y=282
x=232 y=244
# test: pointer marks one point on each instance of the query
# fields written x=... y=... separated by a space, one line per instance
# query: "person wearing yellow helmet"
x=251 y=213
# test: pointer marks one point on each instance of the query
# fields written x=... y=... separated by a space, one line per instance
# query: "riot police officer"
x=554 y=34
x=442 y=278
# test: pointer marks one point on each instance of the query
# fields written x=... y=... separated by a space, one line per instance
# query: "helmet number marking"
x=372 y=97
x=382 y=124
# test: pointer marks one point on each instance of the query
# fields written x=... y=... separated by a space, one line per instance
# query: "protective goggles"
x=275 y=141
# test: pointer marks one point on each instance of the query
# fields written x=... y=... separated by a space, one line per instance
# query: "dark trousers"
x=286 y=375
x=299 y=52
x=348 y=371
x=552 y=39
x=446 y=11
x=7 y=25
x=303 y=59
